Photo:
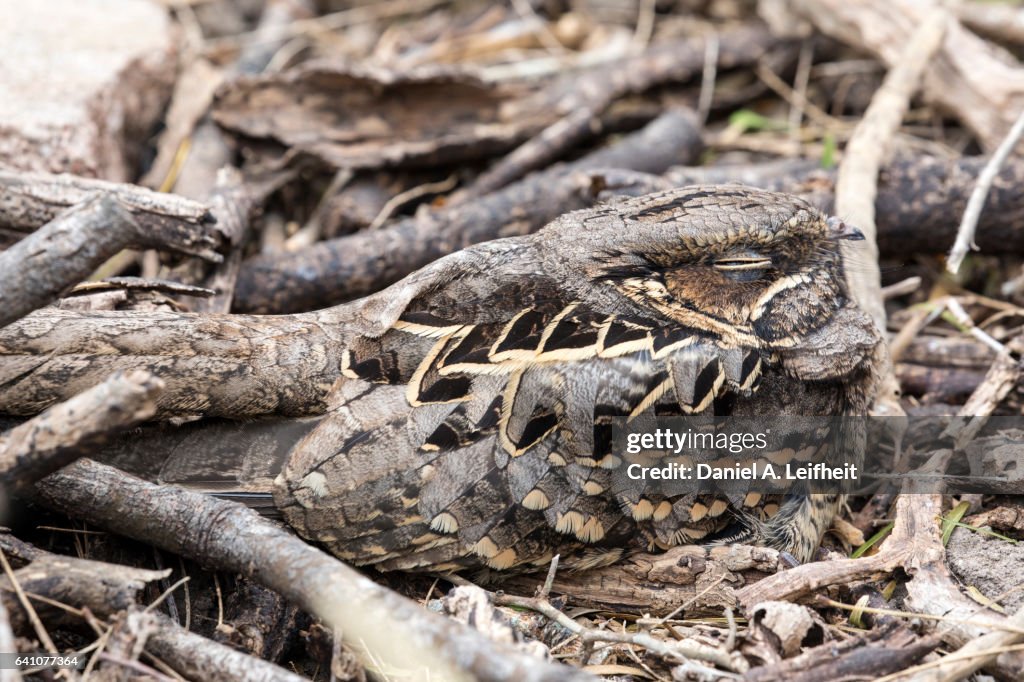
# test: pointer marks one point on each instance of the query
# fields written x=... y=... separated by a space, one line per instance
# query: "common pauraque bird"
x=467 y=428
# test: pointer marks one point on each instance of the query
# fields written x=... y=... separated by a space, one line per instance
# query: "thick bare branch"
x=215 y=365
x=101 y=587
x=68 y=430
x=27 y=200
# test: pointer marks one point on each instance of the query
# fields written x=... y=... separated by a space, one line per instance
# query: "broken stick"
x=67 y=249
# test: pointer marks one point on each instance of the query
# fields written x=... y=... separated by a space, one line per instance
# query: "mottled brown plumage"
x=468 y=430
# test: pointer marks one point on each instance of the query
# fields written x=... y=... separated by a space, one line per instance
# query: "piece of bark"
x=84 y=83
x=359 y=264
x=66 y=431
x=942 y=351
x=233 y=202
x=387 y=630
x=28 y=200
x=357 y=205
x=1001 y=518
x=980 y=83
x=257 y=620
x=358 y=115
x=66 y=250
x=191 y=98
x=235 y=366
x=139 y=284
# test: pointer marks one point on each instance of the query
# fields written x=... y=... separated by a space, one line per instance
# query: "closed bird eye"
x=742 y=263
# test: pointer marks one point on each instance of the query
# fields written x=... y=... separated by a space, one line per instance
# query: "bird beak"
x=837 y=229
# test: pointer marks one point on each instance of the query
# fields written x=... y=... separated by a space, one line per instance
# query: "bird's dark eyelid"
x=747 y=259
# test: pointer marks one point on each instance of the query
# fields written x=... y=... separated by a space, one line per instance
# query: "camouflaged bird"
x=467 y=428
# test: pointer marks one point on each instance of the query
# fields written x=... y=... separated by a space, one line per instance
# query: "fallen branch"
x=51 y=580
x=396 y=634
x=998 y=21
x=66 y=431
x=27 y=200
x=702 y=579
x=214 y=365
x=66 y=250
x=857 y=184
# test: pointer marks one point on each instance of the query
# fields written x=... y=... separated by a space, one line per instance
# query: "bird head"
x=749 y=266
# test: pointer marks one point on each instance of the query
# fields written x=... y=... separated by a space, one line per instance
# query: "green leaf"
x=986 y=531
x=873 y=540
x=952 y=519
x=828 y=152
x=747 y=120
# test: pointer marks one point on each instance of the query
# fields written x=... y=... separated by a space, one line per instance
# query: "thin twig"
x=800 y=81
x=644 y=24
x=545 y=589
x=901 y=288
x=310 y=232
x=709 y=75
x=412 y=194
x=969 y=224
x=965 y=321
x=551 y=42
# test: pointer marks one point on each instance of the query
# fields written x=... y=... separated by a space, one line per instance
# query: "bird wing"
x=479 y=427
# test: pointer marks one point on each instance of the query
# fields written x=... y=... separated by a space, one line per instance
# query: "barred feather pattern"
x=471 y=426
